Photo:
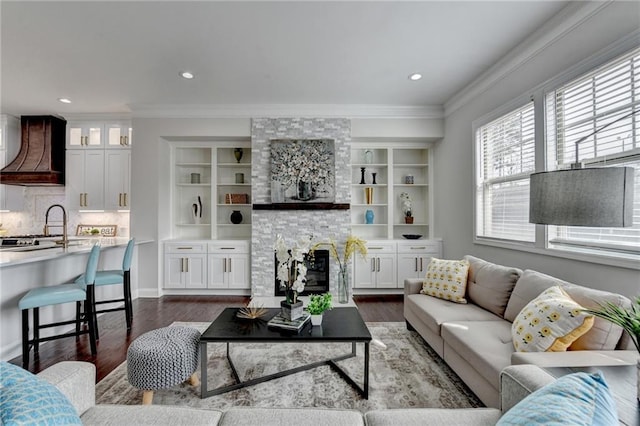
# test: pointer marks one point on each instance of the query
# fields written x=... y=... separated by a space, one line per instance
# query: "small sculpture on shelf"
x=362 y=170
x=238 y=152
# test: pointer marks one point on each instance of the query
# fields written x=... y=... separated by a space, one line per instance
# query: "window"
x=505 y=157
x=579 y=108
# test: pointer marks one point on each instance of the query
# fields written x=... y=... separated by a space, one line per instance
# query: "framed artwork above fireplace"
x=302 y=171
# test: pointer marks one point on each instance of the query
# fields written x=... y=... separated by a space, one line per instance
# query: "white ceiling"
x=108 y=57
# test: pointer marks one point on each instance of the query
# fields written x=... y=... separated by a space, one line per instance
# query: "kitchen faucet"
x=65 y=241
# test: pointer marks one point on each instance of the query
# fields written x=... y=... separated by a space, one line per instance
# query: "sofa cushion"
x=490 y=285
x=105 y=414
x=550 y=322
x=29 y=400
x=432 y=416
x=485 y=345
x=604 y=335
x=578 y=399
x=446 y=279
x=291 y=416
x=528 y=287
x=434 y=312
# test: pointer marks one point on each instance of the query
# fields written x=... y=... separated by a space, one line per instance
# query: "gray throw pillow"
x=490 y=285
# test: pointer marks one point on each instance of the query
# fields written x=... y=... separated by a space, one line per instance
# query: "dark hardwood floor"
x=150 y=314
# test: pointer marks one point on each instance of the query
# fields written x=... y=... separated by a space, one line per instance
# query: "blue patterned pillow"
x=574 y=399
x=26 y=399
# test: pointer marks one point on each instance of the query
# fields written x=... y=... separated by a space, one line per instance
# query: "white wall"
x=453 y=174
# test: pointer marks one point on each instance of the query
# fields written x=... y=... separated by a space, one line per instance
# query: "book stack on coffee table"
x=280 y=322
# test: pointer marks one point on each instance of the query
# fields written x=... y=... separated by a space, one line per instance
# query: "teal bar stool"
x=114 y=277
x=55 y=295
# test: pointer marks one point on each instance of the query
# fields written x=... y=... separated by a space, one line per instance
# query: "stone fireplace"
x=321 y=224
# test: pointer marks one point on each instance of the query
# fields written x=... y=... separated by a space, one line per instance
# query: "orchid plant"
x=405 y=198
x=291 y=269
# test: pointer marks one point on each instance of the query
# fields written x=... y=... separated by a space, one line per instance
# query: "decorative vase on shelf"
x=368 y=217
x=362 y=170
x=343 y=285
x=368 y=156
x=238 y=152
x=373 y=175
x=236 y=217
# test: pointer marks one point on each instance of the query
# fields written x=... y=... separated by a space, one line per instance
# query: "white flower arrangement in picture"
x=290 y=266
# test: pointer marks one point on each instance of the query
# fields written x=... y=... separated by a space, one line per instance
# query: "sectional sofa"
x=475 y=338
x=76 y=381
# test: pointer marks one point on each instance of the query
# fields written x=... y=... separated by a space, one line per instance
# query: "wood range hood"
x=41 y=159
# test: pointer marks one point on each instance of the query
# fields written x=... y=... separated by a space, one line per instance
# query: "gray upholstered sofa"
x=76 y=380
x=474 y=339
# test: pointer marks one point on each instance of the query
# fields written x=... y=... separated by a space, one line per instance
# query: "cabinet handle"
x=420 y=264
x=81 y=199
x=224 y=265
x=184 y=248
x=126 y=140
x=418 y=248
x=378 y=262
x=229 y=264
x=187 y=262
x=416 y=259
x=376 y=248
x=126 y=202
x=227 y=248
x=373 y=265
x=120 y=199
x=86 y=202
x=182 y=264
x=121 y=140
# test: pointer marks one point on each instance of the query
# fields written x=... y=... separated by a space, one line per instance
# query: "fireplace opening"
x=317 y=275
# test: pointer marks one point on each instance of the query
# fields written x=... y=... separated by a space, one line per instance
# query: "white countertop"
x=76 y=246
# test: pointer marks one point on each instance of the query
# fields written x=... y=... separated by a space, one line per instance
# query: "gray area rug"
x=404 y=372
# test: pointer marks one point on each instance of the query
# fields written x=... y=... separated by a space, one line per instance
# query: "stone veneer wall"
x=291 y=224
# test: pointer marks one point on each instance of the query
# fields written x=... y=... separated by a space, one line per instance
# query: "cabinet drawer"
x=375 y=247
x=185 y=247
x=228 y=246
x=423 y=246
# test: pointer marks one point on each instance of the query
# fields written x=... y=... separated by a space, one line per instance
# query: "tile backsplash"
x=37 y=200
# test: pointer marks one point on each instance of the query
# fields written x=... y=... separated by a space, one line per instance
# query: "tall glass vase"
x=343 y=285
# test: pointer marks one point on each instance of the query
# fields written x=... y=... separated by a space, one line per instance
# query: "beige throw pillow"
x=446 y=279
x=550 y=322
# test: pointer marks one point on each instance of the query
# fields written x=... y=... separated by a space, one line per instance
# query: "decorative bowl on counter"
x=412 y=236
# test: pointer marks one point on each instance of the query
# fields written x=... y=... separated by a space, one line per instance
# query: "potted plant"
x=318 y=303
x=628 y=319
x=405 y=198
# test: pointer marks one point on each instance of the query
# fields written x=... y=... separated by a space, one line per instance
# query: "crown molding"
x=286 y=110
x=97 y=116
x=572 y=16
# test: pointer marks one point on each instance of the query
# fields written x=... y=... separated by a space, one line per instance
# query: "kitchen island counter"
x=21 y=271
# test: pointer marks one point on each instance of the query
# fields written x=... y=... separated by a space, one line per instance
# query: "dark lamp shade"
x=596 y=197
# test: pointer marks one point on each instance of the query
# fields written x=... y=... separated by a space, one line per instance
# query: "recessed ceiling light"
x=65 y=100
x=186 y=74
x=415 y=76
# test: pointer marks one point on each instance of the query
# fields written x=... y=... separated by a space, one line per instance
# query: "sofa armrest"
x=412 y=286
x=518 y=381
x=76 y=380
x=575 y=358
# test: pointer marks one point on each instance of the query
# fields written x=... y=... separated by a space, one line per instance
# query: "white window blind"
x=505 y=152
x=577 y=109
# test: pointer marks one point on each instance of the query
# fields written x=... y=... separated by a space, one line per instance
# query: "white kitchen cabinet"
x=378 y=270
x=414 y=257
x=117 y=179
x=118 y=134
x=185 y=265
x=229 y=265
x=82 y=135
x=84 y=181
x=11 y=196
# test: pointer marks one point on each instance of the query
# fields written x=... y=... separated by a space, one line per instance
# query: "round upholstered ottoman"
x=163 y=358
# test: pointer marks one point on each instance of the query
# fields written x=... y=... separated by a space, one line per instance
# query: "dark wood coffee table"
x=338 y=325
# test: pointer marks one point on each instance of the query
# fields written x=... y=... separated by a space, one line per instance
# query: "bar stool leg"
x=128 y=308
x=91 y=319
x=36 y=332
x=25 y=338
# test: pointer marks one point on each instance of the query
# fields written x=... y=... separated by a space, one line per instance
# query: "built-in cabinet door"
x=117 y=177
x=11 y=196
x=173 y=271
x=364 y=269
x=195 y=274
x=238 y=271
x=385 y=276
x=84 y=180
x=217 y=271
x=84 y=135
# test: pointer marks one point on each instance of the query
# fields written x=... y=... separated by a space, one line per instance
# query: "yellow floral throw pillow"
x=446 y=279
x=550 y=322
